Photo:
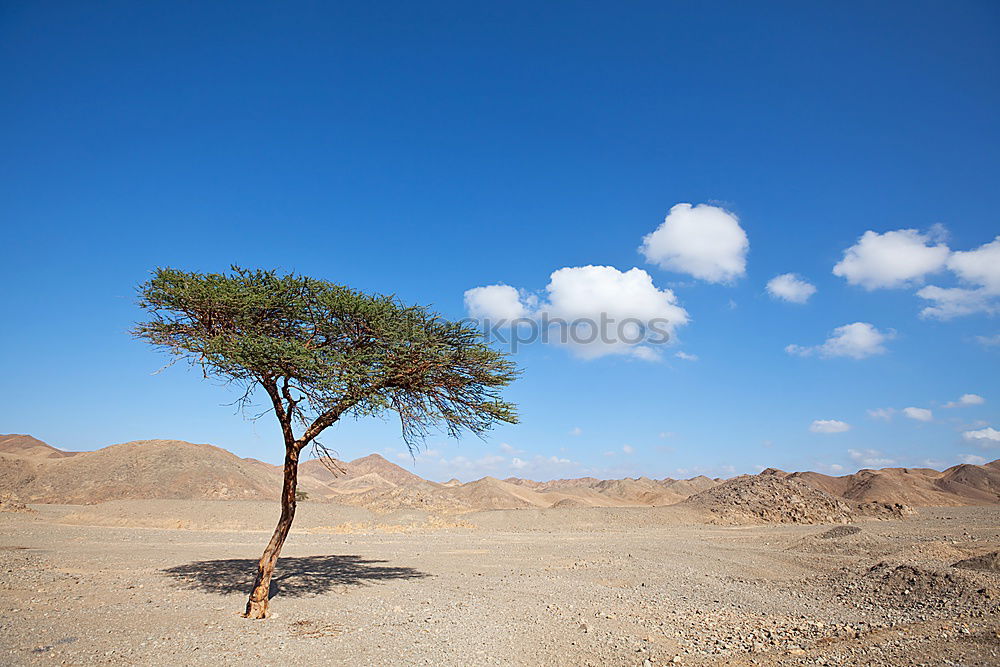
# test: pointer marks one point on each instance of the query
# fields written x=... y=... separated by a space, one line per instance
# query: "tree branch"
x=271 y=387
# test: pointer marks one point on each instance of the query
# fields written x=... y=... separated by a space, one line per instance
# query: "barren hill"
x=641 y=491
x=368 y=465
x=25 y=445
x=689 y=487
x=141 y=469
x=32 y=471
x=492 y=493
x=960 y=485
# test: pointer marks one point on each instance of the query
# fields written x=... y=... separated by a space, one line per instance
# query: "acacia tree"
x=321 y=351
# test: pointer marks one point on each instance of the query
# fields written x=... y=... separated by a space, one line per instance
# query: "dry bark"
x=260 y=593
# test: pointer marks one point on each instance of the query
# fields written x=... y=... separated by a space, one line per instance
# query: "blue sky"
x=427 y=149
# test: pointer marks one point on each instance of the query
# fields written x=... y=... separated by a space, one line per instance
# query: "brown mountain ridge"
x=33 y=471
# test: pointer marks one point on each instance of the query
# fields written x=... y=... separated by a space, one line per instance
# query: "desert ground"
x=142 y=553
x=151 y=582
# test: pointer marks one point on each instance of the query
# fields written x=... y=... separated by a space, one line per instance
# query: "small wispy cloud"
x=884 y=414
x=790 y=287
x=919 y=414
x=989 y=341
x=829 y=426
x=965 y=401
x=858 y=340
x=871 y=458
x=986 y=438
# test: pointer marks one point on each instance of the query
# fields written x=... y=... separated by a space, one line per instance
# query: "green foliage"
x=322 y=350
x=301 y=496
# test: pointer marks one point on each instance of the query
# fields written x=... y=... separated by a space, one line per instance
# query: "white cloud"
x=703 y=241
x=871 y=458
x=685 y=356
x=628 y=449
x=966 y=400
x=829 y=426
x=857 y=341
x=882 y=413
x=576 y=430
x=894 y=259
x=985 y=437
x=510 y=449
x=835 y=467
x=790 y=287
x=495 y=302
x=593 y=310
x=919 y=414
x=979 y=268
x=949 y=302
x=989 y=341
x=518 y=464
x=972 y=459
x=629 y=299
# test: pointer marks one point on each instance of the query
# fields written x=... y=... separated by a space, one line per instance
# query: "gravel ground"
x=555 y=587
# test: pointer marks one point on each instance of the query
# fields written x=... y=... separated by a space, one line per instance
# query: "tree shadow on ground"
x=293 y=577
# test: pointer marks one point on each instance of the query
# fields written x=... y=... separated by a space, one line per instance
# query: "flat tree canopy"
x=321 y=351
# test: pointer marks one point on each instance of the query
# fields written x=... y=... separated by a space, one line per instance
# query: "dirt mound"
x=909 y=585
x=770 y=499
x=568 y=502
x=885 y=510
x=839 y=531
x=989 y=562
x=912 y=593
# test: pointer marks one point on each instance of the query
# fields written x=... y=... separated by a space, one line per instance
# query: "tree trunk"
x=257 y=604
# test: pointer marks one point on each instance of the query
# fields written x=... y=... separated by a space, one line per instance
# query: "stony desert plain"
x=142 y=553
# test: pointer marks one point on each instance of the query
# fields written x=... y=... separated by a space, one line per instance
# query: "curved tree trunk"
x=257 y=604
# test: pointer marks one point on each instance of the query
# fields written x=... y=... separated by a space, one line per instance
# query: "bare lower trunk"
x=257 y=604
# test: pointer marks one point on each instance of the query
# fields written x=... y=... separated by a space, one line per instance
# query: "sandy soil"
x=153 y=582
